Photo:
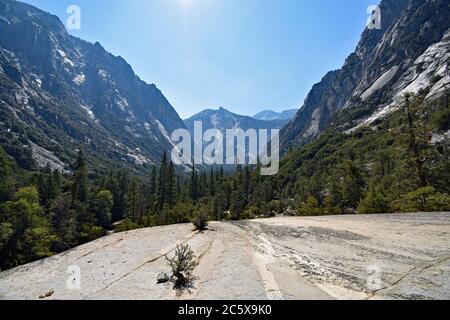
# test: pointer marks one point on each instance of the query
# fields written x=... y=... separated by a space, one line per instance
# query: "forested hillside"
x=83 y=141
x=400 y=164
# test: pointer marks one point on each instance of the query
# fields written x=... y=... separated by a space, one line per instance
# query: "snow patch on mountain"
x=88 y=110
x=103 y=74
x=79 y=79
x=122 y=103
x=65 y=58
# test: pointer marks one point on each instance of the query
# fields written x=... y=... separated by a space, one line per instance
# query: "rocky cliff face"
x=410 y=52
x=59 y=93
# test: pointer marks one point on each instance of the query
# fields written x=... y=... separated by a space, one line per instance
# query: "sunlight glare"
x=186 y=4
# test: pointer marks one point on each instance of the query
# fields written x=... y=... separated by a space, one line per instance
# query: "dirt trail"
x=339 y=257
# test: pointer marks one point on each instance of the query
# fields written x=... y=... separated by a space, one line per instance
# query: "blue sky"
x=244 y=55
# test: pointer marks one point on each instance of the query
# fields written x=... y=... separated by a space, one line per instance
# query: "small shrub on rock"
x=200 y=221
x=182 y=265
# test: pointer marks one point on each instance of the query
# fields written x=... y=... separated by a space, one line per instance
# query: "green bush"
x=250 y=213
x=423 y=199
x=91 y=232
x=373 y=202
x=36 y=243
x=310 y=208
x=6 y=232
x=441 y=119
x=126 y=225
x=200 y=221
x=182 y=265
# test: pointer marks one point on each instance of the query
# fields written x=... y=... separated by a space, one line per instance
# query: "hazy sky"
x=245 y=55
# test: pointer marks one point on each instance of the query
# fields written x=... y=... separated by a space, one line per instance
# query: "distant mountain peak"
x=223 y=119
x=272 y=115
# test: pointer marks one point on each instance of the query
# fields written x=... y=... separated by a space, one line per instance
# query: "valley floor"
x=399 y=256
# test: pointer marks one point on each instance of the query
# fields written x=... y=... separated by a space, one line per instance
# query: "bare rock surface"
x=401 y=256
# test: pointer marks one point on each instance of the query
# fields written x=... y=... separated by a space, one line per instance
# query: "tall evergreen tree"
x=171 y=184
x=227 y=195
x=153 y=180
x=80 y=180
x=194 y=184
x=6 y=169
x=212 y=183
x=203 y=184
x=112 y=184
x=162 y=182
x=132 y=201
x=246 y=184
x=416 y=136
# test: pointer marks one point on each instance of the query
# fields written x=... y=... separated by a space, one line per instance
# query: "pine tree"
x=203 y=184
x=56 y=181
x=112 y=184
x=132 y=201
x=246 y=185
x=179 y=190
x=64 y=221
x=142 y=203
x=80 y=180
x=237 y=204
x=153 y=180
x=227 y=196
x=353 y=184
x=171 y=184
x=162 y=185
x=267 y=191
x=103 y=205
x=212 y=183
x=219 y=205
x=194 y=184
x=416 y=138
x=373 y=201
x=41 y=187
x=6 y=169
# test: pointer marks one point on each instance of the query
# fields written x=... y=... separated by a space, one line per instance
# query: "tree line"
x=400 y=164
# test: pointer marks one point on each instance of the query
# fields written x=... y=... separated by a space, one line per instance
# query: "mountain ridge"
x=382 y=60
x=223 y=119
x=273 y=115
x=62 y=93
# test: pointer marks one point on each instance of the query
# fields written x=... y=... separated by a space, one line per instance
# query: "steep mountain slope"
x=272 y=115
x=59 y=93
x=223 y=119
x=410 y=52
